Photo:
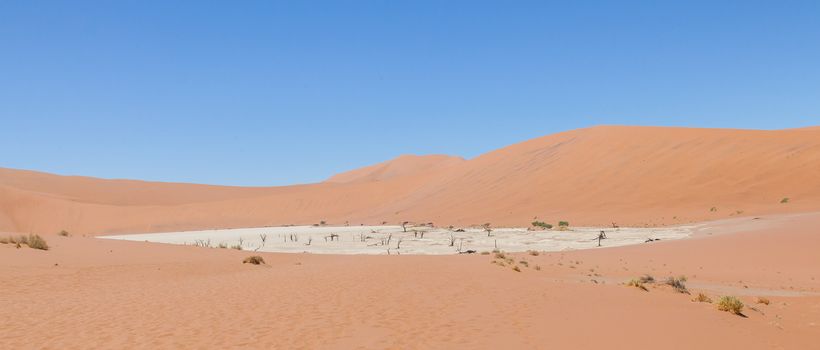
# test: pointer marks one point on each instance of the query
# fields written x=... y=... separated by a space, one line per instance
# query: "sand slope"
x=640 y=176
x=405 y=165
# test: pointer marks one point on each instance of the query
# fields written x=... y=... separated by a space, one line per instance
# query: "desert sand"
x=123 y=294
x=738 y=210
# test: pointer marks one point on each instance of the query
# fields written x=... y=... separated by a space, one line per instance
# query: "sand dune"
x=638 y=176
x=405 y=165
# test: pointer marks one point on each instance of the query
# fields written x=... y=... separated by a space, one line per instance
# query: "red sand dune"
x=600 y=175
x=405 y=165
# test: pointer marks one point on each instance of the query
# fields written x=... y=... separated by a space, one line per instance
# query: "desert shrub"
x=516 y=269
x=63 y=233
x=255 y=259
x=762 y=300
x=784 y=200
x=702 y=298
x=537 y=267
x=222 y=245
x=236 y=246
x=730 y=304
x=541 y=224
x=500 y=255
x=525 y=263
x=563 y=224
x=533 y=252
x=646 y=279
x=637 y=284
x=713 y=209
x=678 y=284
x=485 y=253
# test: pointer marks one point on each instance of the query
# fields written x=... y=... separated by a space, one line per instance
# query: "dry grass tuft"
x=637 y=284
x=730 y=304
x=679 y=284
x=702 y=298
x=762 y=300
x=485 y=253
x=255 y=259
x=64 y=233
x=533 y=252
x=646 y=279
x=516 y=268
x=537 y=267
x=32 y=241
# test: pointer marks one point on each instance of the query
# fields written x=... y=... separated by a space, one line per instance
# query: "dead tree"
x=488 y=229
x=452 y=239
x=404 y=225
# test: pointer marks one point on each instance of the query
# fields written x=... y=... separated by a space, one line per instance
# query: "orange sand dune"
x=402 y=166
x=95 y=293
x=600 y=175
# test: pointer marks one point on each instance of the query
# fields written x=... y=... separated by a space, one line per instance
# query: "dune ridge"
x=641 y=176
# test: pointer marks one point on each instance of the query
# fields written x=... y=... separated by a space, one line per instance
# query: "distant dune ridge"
x=593 y=176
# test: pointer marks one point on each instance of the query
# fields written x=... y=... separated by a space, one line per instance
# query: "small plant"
x=784 y=200
x=255 y=259
x=485 y=253
x=222 y=245
x=236 y=246
x=322 y=223
x=533 y=252
x=702 y=298
x=713 y=209
x=537 y=267
x=516 y=268
x=730 y=304
x=500 y=255
x=563 y=224
x=646 y=279
x=541 y=224
x=637 y=284
x=679 y=284
x=762 y=300
x=63 y=233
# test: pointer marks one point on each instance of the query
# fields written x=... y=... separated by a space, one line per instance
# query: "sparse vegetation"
x=485 y=253
x=784 y=200
x=236 y=246
x=541 y=224
x=637 y=284
x=762 y=300
x=713 y=209
x=255 y=259
x=563 y=225
x=63 y=233
x=533 y=252
x=646 y=279
x=32 y=241
x=516 y=268
x=679 y=284
x=222 y=245
x=702 y=298
x=730 y=304
x=537 y=267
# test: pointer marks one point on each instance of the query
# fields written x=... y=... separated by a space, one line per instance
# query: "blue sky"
x=274 y=93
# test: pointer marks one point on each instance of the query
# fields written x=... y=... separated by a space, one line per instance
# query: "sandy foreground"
x=410 y=240
x=102 y=293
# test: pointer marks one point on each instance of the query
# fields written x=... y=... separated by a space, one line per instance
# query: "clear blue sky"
x=271 y=93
